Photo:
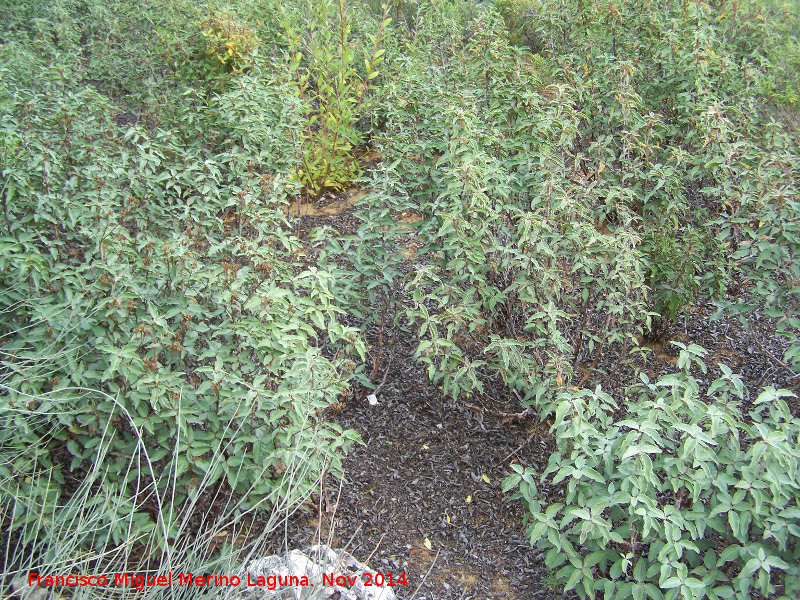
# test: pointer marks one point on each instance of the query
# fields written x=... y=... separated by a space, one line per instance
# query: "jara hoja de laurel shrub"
x=682 y=497
x=688 y=495
x=160 y=335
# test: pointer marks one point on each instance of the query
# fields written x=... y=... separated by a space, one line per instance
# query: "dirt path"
x=423 y=493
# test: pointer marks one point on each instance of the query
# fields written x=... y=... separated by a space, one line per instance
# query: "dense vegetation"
x=582 y=172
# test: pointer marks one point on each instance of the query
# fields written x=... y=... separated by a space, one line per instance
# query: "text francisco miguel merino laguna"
x=141 y=581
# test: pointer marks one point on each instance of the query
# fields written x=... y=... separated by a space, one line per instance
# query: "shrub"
x=229 y=44
x=325 y=63
x=517 y=276
x=674 y=122
x=683 y=496
x=151 y=532
x=153 y=303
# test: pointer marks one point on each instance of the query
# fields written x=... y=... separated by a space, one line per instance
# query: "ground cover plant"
x=578 y=172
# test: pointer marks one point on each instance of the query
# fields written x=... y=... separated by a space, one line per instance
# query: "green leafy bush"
x=161 y=535
x=325 y=64
x=229 y=44
x=513 y=255
x=154 y=300
x=674 y=123
x=682 y=497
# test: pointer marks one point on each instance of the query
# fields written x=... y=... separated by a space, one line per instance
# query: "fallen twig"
x=794 y=373
x=414 y=595
x=525 y=443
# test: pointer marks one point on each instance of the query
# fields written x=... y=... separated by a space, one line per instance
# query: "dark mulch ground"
x=431 y=469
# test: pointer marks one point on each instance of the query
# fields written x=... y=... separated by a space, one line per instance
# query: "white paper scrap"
x=373 y=399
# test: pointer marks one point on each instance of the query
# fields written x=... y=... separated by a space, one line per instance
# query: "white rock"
x=312 y=563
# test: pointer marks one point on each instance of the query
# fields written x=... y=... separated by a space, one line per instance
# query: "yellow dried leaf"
x=428 y=544
x=485 y=477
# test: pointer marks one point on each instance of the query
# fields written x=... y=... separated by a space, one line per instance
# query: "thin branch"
x=414 y=595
